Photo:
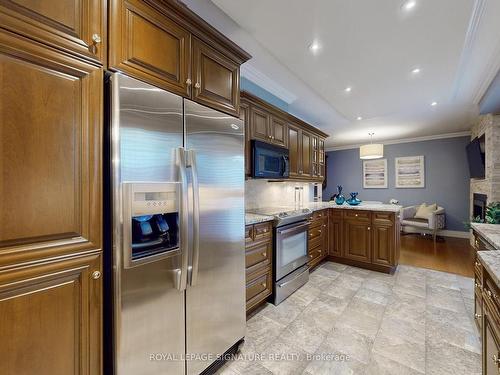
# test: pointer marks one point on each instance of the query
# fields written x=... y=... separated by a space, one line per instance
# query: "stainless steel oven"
x=291 y=270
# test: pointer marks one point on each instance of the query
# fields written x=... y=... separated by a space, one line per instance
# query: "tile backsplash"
x=261 y=193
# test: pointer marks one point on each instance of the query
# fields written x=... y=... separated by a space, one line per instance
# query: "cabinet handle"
x=477 y=316
x=319 y=230
x=96 y=38
x=371 y=228
x=189 y=82
x=96 y=275
x=264 y=285
x=319 y=251
x=476 y=263
x=477 y=285
x=264 y=254
x=496 y=359
x=272 y=137
x=197 y=85
x=310 y=255
x=356 y=215
x=324 y=225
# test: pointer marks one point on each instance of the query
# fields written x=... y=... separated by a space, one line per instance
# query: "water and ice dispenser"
x=151 y=222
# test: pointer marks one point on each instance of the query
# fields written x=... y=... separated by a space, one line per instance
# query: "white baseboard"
x=445 y=233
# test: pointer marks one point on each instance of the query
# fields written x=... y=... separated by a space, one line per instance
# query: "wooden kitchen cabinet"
x=278 y=131
x=490 y=325
x=335 y=233
x=245 y=116
x=294 y=150
x=368 y=239
x=306 y=165
x=51 y=126
x=216 y=79
x=260 y=124
x=77 y=27
x=51 y=317
x=384 y=238
x=147 y=45
x=357 y=240
x=165 y=44
x=305 y=143
x=318 y=238
x=258 y=263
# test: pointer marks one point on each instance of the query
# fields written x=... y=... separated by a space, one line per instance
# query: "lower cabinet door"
x=50 y=317
x=258 y=288
x=357 y=241
x=491 y=347
x=383 y=245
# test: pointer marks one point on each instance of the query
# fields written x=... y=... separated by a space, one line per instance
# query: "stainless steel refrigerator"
x=177 y=231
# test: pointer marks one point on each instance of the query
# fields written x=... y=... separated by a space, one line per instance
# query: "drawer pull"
x=356 y=215
x=371 y=228
x=477 y=263
x=496 y=359
x=477 y=316
x=310 y=255
x=488 y=293
x=96 y=275
x=319 y=251
x=324 y=225
x=264 y=285
x=319 y=230
x=477 y=285
x=264 y=254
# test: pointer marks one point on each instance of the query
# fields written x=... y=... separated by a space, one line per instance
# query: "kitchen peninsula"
x=366 y=236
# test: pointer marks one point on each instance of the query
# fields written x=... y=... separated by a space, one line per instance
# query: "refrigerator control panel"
x=150 y=222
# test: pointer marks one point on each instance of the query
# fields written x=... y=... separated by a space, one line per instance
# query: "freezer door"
x=149 y=308
x=215 y=296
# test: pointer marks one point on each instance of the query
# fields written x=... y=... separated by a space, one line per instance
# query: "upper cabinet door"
x=147 y=45
x=279 y=132
x=259 y=124
x=294 y=149
x=245 y=117
x=306 y=154
x=216 y=79
x=50 y=147
x=76 y=26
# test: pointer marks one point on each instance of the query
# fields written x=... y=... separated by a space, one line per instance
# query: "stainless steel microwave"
x=269 y=161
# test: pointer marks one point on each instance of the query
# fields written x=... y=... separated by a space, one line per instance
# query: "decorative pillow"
x=424 y=211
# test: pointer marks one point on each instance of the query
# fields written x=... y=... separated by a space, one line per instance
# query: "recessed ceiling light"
x=409 y=4
x=359 y=118
x=416 y=71
x=348 y=89
x=434 y=104
x=314 y=46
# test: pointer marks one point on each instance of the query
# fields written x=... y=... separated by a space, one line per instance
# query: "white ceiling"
x=371 y=46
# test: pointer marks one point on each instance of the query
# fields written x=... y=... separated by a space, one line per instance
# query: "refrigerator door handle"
x=180 y=281
x=193 y=269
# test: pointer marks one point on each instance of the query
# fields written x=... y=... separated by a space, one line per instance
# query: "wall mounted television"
x=476 y=157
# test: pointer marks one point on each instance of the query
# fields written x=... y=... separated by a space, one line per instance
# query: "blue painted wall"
x=447 y=180
x=258 y=91
x=490 y=102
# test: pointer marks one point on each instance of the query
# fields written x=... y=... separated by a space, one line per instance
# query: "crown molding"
x=260 y=79
x=470 y=38
x=405 y=140
x=488 y=76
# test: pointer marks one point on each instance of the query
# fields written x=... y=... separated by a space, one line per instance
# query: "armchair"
x=436 y=220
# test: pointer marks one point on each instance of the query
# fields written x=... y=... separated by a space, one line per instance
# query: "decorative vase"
x=354 y=201
x=339 y=199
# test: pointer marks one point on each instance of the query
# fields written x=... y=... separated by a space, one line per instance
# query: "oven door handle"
x=297 y=228
x=282 y=285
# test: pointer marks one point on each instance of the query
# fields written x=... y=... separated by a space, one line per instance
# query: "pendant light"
x=371 y=150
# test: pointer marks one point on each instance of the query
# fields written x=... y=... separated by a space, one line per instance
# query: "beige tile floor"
x=347 y=320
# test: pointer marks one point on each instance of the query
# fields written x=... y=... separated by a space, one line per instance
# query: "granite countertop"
x=490 y=232
x=256 y=218
x=315 y=206
x=491 y=261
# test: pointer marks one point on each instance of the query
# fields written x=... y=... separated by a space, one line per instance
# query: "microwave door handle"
x=180 y=281
x=193 y=274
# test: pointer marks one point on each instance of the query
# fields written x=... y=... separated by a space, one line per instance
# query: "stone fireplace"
x=484 y=191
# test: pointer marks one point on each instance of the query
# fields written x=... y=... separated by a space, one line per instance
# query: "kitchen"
x=162 y=213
